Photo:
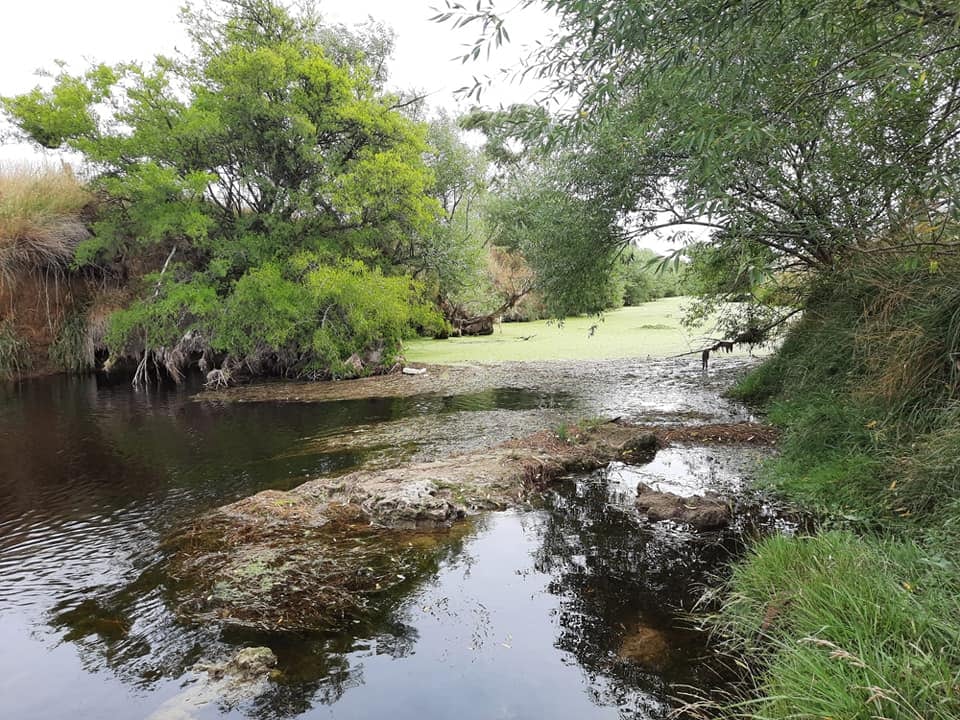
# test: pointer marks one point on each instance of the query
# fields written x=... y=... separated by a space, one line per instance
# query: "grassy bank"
x=42 y=220
x=40 y=223
x=652 y=329
x=862 y=620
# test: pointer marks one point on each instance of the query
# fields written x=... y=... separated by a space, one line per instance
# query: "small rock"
x=414 y=371
x=247 y=665
x=354 y=363
x=374 y=356
x=252 y=662
x=647 y=647
x=413 y=505
x=702 y=512
x=640 y=448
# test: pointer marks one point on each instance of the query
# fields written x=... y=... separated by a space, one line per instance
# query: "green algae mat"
x=649 y=330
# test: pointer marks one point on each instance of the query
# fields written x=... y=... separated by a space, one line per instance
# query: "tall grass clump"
x=40 y=223
x=13 y=353
x=844 y=627
x=929 y=477
x=862 y=621
x=74 y=350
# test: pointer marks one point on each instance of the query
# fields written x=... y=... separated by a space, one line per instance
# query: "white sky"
x=35 y=33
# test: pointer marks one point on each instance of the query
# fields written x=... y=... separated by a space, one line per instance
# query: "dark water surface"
x=523 y=618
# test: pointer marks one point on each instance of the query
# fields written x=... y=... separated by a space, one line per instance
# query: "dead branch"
x=750 y=336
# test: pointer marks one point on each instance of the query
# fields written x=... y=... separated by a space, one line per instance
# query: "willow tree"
x=798 y=132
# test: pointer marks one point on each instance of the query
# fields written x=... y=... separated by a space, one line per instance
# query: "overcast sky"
x=37 y=32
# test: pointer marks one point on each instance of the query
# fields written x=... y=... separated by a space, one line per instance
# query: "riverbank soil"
x=33 y=310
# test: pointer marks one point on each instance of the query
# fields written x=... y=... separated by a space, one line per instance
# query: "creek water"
x=525 y=616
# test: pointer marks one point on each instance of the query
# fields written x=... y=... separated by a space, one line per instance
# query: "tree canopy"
x=798 y=132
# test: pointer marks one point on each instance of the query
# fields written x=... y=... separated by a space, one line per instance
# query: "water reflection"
x=526 y=616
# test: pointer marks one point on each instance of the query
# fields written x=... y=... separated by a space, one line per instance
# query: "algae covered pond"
x=571 y=607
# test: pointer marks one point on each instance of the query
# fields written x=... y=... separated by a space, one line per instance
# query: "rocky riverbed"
x=314 y=557
x=145 y=533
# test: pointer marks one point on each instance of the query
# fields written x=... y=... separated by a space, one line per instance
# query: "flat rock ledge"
x=432 y=495
x=335 y=550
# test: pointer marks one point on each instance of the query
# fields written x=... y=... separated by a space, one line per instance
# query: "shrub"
x=313 y=317
x=296 y=318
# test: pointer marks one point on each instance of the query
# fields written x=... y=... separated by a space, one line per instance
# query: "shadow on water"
x=528 y=614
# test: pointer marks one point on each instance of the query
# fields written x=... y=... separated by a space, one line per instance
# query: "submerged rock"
x=236 y=680
x=648 y=647
x=703 y=512
x=248 y=664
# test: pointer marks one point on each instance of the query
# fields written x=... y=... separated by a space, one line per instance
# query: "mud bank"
x=331 y=549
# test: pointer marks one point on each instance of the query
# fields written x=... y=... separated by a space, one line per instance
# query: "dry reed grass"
x=40 y=223
x=909 y=337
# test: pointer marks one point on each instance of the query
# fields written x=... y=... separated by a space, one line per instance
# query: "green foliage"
x=66 y=111
x=453 y=252
x=776 y=140
x=865 y=387
x=568 y=242
x=273 y=140
x=312 y=317
x=930 y=482
x=847 y=628
x=804 y=127
x=298 y=318
x=645 y=277
x=866 y=377
x=163 y=317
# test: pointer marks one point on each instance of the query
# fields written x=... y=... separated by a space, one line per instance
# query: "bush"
x=299 y=318
x=313 y=317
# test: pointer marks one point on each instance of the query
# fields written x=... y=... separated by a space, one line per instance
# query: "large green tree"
x=268 y=151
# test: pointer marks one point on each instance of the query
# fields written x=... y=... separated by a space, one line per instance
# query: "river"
x=526 y=614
